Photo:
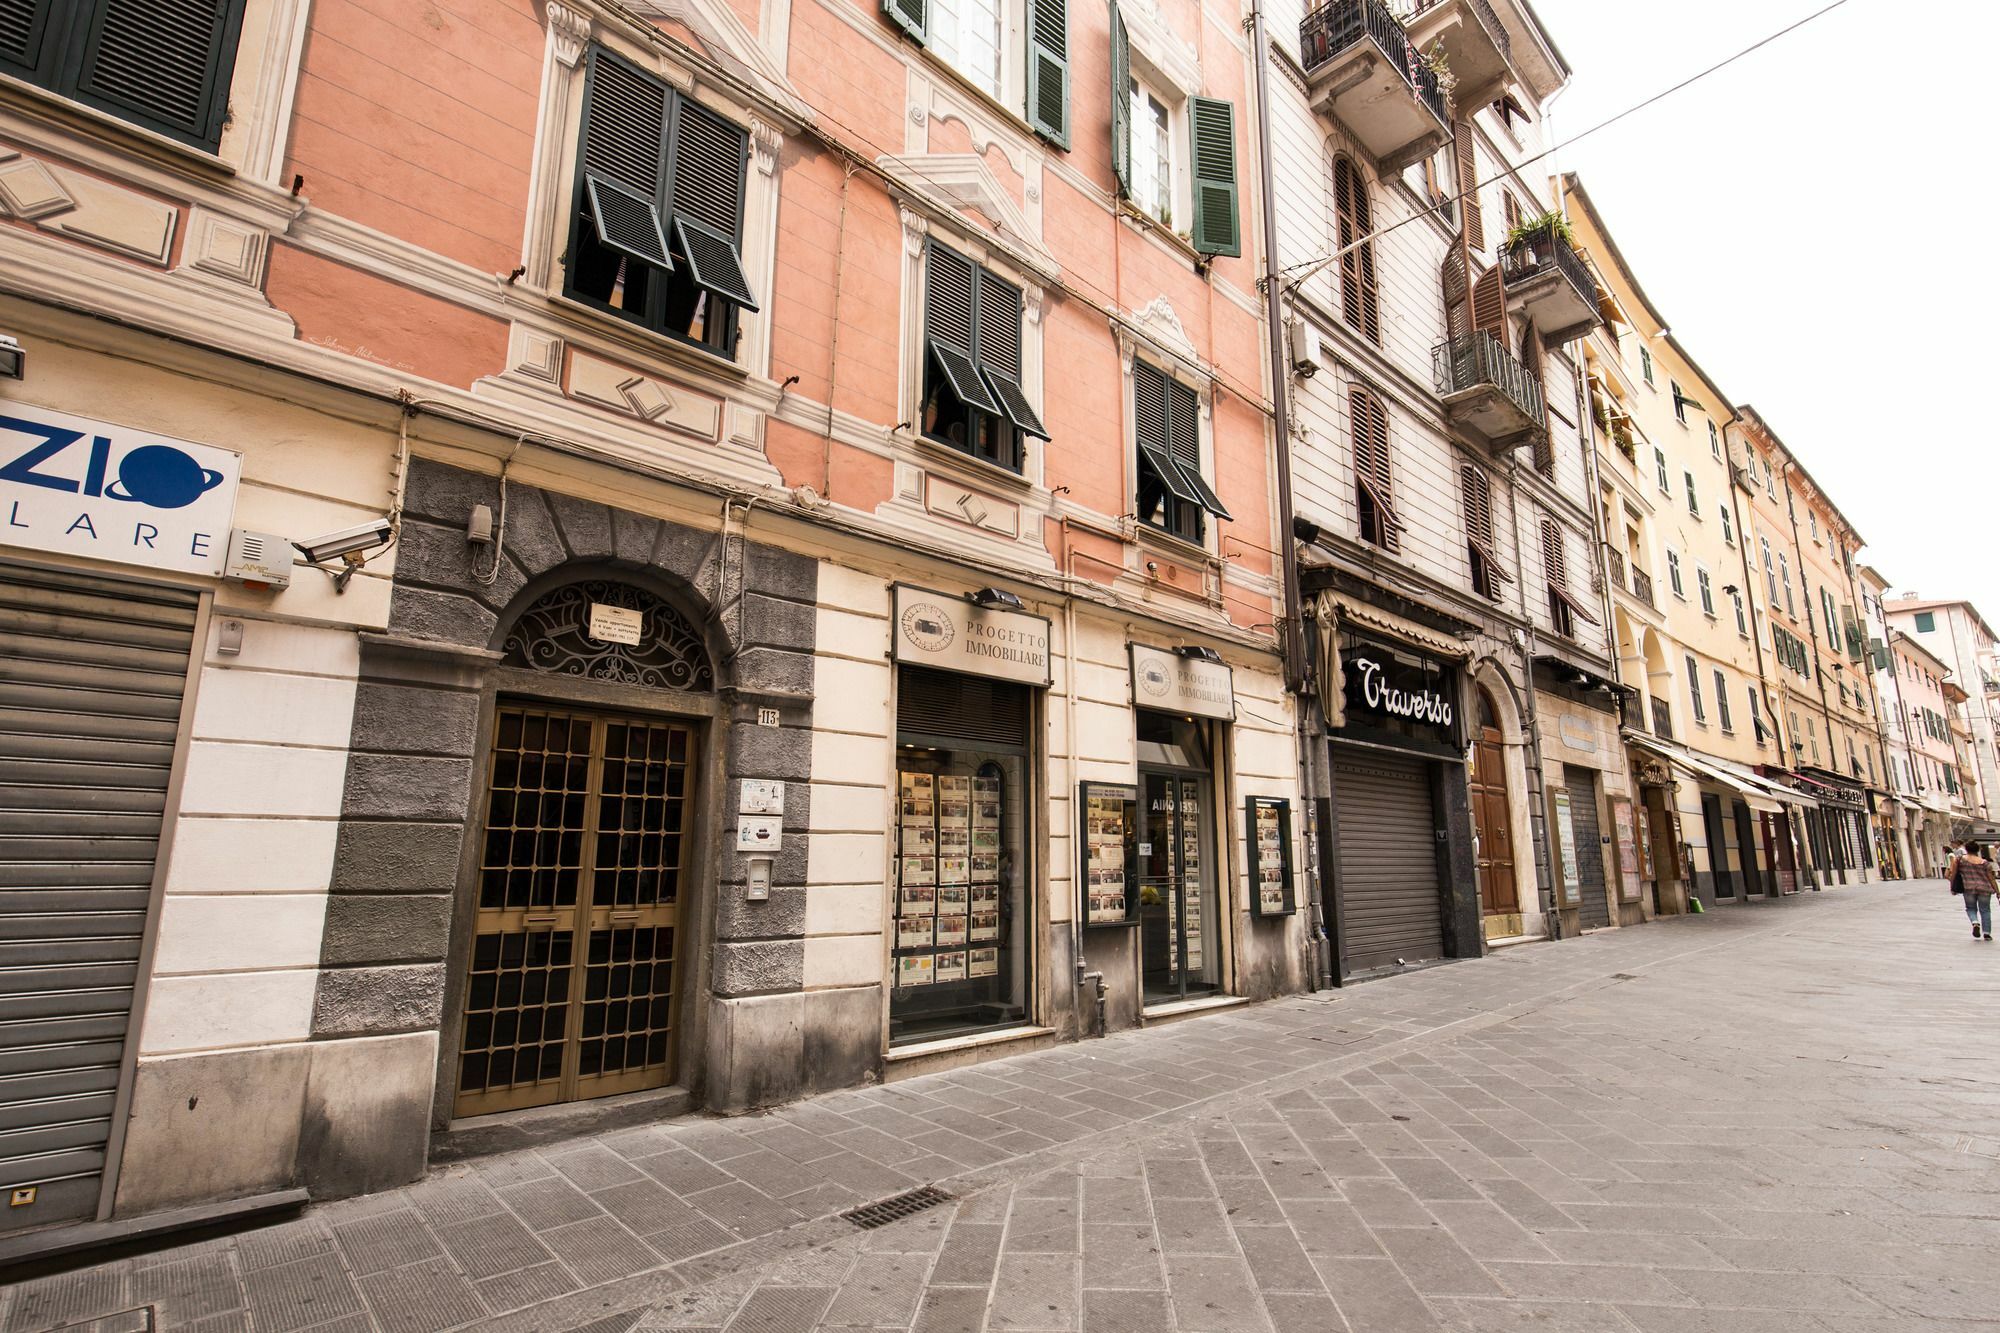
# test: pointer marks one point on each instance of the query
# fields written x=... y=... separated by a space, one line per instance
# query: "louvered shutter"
x=705 y=199
x=1048 y=69
x=1478 y=491
x=1359 y=303
x=26 y=45
x=1555 y=563
x=950 y=280
x=1212 y=131
x=1184 y=439
x=1533 y=360
x=1369 y=421
x=624 y=158
x=998 y=350
x=1489 y=304
x=1151 y=430
x=163 y=63
x=909 y=15
x=1121 y=104
x=1451 y=282
x=1468 y=186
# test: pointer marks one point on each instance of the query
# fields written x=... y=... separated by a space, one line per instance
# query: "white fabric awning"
x=1756 y=792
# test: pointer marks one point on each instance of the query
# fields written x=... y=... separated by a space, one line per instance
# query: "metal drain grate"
x=139 y=1320
x=895 y=1208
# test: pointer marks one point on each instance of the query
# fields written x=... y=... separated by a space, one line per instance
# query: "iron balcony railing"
x=1333 y=26
x=1477 y=358
x=1407 y=10
x=1617 y=563
x=1532 y=256
x=1642 y=586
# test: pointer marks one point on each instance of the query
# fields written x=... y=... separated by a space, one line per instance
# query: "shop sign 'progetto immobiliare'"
x=951 y=634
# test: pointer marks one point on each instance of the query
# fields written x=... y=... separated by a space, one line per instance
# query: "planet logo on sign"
x=928 y=628
x=162 y=477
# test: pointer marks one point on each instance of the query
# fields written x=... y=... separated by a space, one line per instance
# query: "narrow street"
x=1773 y=1119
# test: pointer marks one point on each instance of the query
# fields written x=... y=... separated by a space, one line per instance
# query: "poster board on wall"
x=1625 y=832
x=1565 y=848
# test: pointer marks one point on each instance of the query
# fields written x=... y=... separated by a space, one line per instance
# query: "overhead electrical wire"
x=1321 y=261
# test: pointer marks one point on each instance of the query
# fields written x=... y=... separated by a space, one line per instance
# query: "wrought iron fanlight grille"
x=554 y=635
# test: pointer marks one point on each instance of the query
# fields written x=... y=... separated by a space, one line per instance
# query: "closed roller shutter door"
x=91 y=677
x=1388 y=862
x=1594 y=911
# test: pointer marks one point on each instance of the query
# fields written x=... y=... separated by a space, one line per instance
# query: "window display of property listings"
x=1270 y=826
x=960 y=962
x=1110 y=843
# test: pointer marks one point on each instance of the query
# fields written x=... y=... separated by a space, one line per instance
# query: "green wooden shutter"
x=998 y=353
x=164 y=64
x=1151 y=432
x=950 y=300
x=1048 y=69
x=710 y=158
x=1212 y=131
x=25 y=41
x=909 y=15
x=623 y=172
x=1121 y=104
x=1184 y=441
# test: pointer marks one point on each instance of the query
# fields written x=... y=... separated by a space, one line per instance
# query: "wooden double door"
x=1493 y=819
x=570 y=991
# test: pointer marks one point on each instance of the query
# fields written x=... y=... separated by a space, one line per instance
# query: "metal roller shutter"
x=1389 y=899
x=1594 y=910
x=92 y=673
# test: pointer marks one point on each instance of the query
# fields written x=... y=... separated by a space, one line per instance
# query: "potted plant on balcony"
x=1532 y=240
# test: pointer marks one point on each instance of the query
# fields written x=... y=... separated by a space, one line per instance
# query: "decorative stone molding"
x=224 y=248
x=69 y=203
x=1164 y=55
x=569 y=33
x=766 y=142
x=965 y=181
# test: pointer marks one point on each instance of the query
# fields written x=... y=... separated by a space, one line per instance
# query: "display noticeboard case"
x=1107 y=863
x=1267 y=824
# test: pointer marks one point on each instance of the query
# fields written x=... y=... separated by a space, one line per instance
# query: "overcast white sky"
x=1816 y=223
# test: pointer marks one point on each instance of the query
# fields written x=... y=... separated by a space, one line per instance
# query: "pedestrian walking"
x=1972 y=877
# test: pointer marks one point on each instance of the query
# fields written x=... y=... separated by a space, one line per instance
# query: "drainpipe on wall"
x=1292 y=639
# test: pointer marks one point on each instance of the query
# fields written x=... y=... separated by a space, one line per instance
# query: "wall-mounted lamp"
x=13 y=361
x=1199 y=653
x=1729 y=590
x=998 y=599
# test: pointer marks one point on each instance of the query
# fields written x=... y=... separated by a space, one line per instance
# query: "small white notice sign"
x=615 y=624
x=761 y=797
x=759 y=834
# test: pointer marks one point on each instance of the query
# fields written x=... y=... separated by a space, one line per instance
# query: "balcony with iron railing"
x=1486 y=389
x=1642 y=586
x=1616 y=563
x=1469 y=35
x=1548 y=281
x=1363 y=70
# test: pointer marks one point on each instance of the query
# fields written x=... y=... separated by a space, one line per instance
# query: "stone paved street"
x=1776 y=1119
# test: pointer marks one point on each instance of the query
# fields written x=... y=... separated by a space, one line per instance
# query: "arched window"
x=560 y=634
x=1374 y=482
x=1358 y=303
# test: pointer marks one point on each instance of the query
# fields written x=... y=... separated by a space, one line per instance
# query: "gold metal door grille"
x=571 y=988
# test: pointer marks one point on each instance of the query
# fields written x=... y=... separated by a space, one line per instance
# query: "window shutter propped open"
x=705 y=200
x=1167 y=429
x=1489 y=304
x=1212 y=132
x=1468 y=184
x=1555 y=564
x=1360 y=305
x=1369 y=422
x=1121 y=104
x=1478 y=491
x=950 y=333
x=910 y=16
x=624 y=136
x=1048 y=69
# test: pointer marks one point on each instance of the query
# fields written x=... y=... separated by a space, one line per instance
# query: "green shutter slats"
x=1167 y=429
x=164 y=64
x=963 y=375
x=1184 y=442
x=627 y=222
x=1014 y=402
x=1212 y=133
x=709 y=158
x=24 y=26
x=999 y=325
x=1048 y=69
x=1121 y=104
x=909 y=15
x=624 y=125
x=714 y=262
x=948 y=280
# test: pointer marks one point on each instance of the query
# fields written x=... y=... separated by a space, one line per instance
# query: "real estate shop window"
x=164 y=67
x=1166 y=417
x=973 y=400
x=657 y=231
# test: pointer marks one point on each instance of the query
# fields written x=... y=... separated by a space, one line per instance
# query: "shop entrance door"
x=1498 y=895
x=1177 y=925
x=570 y=989
x=1594 y=908
x=1718 y=847
x=1746 y=851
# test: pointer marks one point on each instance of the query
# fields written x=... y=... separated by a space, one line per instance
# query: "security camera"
x=348 y=543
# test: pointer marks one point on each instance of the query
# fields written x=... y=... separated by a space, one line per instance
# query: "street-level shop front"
x=1594 y=826
x=1405 y=890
